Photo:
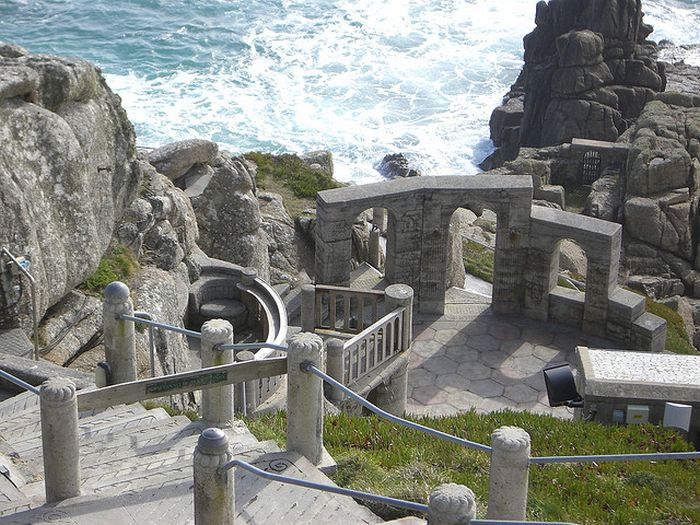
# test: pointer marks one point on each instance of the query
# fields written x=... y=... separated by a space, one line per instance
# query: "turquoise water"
x=359 y=77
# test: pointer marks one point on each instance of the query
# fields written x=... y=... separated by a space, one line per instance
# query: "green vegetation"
x=380 y=457
x=192 y=415
x=677 y=340
x=117 y=265
x=288 y=175
x=575 y=198
x=478 y=260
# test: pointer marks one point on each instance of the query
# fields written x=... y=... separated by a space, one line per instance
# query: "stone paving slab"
x=18 y=403
x=471 y=359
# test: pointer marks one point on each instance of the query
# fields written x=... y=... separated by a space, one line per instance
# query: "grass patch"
x=288 y=172
x=478 y=260
x=192 y=415
x=117 y=265
x=379 y=457
x=677 y=340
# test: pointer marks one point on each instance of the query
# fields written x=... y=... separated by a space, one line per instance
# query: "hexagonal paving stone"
x=445 y=336
x=486 y=388
x=547 y=353
x=520 y=393
x=474 y=371
x=484 y=343
x=442 y=409
x=504 y=331
x=517 y=348
x=507 y=376
x=428 y=348
x=428 y=395
x=537 y=335
x=528 y=365
x=452 y=382
x=426 y=334
x=464 y=400
x=463 y=354
x=475 y=328
x=440 y=365
x=420 y=377
x=493 y=358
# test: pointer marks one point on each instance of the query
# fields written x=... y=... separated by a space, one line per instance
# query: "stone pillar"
x=217 y=402
x=374 y=250
x=379 y=218
x=335 y=367
x=451 y=504
x=305 y=397
x=214 y=498
x=248 y=276
x=245 y=393
x=540 y=277
x=333 y=244
x=392 y=395
x=118 y=334
x=508 y=481
x=59 y=438
x=433 y=256
x=397 y=296
x=308 y=307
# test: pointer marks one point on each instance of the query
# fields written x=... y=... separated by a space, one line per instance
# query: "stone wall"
x=526 y=257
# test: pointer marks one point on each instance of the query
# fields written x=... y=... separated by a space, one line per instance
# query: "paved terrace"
x=470 y=358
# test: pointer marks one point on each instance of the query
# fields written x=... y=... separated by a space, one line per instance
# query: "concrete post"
x=308 y=308
x=217 y=402
x=119 y=335
x=379 y=218
x=392 y=395
x=213 y=492
x=305 y=397
x=59 y=438
x=245 y=394
x=451 y=504
x=397 y=296
x=508 y=481
x=335 y=367
x=374 y=251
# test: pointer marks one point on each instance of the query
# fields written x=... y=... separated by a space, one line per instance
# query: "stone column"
x=305 y=397
x=217 y=402
x=59 y=438
x=118 y=334
x=379 y=218
x=374 y=251
x=397 y=296
x=308 y=307
x=245 y=393
x=333 y=244
x=335 y=367
x=392 y=395
x=451 y=504
x=508 y=481
x=214 y=498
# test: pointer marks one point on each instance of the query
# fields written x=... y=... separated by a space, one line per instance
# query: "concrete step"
x=8 y=491
x=18 y=403
x=168 y=500
x=105 y=428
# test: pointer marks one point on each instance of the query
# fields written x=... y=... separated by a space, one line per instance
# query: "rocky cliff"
x=589 y=70
x=68 y=169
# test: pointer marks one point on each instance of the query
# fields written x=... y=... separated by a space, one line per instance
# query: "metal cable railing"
x=151 y=340
x=308 y=367
x=176 y=329
x=250 y=346
x=657 y=456
x=32 y=284
x=17 y=381
x=410 y=505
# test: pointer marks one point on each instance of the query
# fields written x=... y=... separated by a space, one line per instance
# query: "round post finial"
x=451 y=504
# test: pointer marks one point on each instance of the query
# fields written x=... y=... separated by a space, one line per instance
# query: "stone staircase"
x=136 y=468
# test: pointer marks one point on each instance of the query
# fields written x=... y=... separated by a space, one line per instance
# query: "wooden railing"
x=374 y=345
x=345 y=309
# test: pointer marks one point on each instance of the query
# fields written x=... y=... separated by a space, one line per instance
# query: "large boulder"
x=68 y=169
x=177 y=158
x=279 y=226
x=228 y=216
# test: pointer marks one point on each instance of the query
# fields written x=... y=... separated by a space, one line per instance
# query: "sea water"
x=361 y=78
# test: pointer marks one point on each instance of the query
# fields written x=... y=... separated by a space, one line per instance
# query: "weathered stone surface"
x=175 y=159
x=321 y=160
x=17 y=82
x=228 y=215
x=284 y=259
x=505 y=117
x=605 y=199
x=68 y=170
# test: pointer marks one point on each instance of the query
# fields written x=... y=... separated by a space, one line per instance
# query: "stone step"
x=28 y=422
x=106 y=428
x=8 y=491
x=18 y=403
x=168 y=500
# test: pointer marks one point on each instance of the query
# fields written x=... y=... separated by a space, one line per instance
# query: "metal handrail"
x=32 y=285
x=17 y=381
x=419 y=507
x=310 y=368
x=250 y=346
x=176 y=329
x=151 y=340
x=656 y=456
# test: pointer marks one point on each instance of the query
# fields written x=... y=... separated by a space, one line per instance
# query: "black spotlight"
x=561 y=387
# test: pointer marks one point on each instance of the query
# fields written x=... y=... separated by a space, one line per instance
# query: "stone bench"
x=230 y=309
x=216 y=297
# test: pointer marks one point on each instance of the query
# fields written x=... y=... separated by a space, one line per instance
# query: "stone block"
x=624 y=306
x=566 y=306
